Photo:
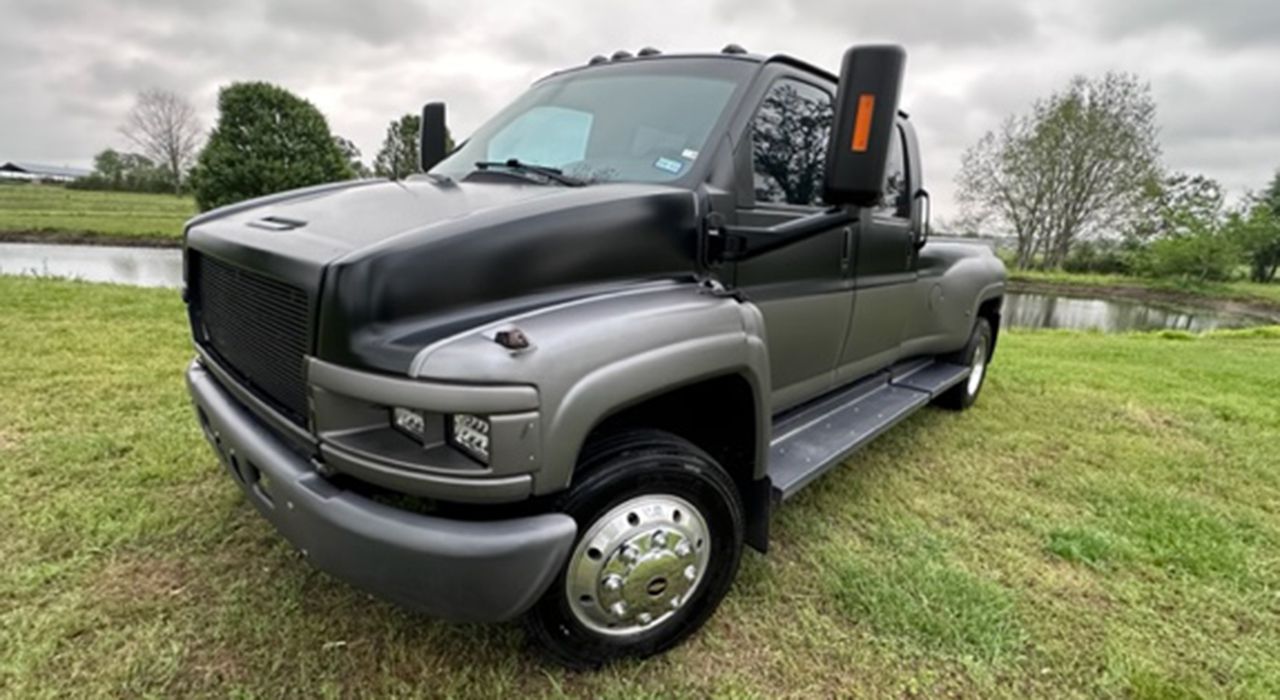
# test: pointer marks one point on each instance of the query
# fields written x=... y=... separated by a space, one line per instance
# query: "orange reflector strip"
x=862 y=122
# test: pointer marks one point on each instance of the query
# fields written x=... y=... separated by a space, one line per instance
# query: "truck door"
x=803 y=290
x=883 y=276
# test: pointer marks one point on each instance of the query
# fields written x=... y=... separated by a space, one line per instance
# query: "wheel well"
x=990 y=310
x=719 y=416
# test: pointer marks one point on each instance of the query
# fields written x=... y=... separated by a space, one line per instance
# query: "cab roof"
x=732 y=52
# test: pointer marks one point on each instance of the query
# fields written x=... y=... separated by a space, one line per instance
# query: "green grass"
x=1239 y=289
x=1102 y=524
x=50 y=208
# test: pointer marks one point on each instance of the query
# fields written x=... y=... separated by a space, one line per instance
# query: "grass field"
x=50 y=210
x=1104 y=523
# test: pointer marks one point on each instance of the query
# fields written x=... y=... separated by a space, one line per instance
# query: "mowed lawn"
x=1104 y=523
x=50 y=208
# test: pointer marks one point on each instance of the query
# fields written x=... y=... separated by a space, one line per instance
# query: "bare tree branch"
x=164 y=126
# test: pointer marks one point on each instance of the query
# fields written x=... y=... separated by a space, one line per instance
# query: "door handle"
x=846 y=250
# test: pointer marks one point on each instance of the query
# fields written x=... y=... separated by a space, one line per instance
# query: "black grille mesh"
x=259 y=328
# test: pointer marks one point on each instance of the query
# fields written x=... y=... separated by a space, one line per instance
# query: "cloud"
x=1223 y=23
x=73 y=66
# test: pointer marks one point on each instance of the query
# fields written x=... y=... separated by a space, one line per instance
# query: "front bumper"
x=455 y=570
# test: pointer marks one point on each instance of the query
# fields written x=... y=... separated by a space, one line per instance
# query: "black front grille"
x=258 y=327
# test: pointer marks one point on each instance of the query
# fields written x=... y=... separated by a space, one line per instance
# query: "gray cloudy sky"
x=69 y=68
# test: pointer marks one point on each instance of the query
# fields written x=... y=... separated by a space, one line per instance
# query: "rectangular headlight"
x=410 y=422
x=470 y=434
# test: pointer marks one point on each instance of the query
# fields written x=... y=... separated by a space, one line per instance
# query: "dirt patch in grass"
x=90 y=238
x=141 y=577
x=8 y=440
x=1253 y=307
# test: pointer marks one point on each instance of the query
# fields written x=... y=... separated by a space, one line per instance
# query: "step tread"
x=809 y=440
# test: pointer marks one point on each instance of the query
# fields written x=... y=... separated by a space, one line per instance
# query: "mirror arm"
x=738 y=243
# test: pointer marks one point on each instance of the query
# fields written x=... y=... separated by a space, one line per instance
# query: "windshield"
x=646 y=121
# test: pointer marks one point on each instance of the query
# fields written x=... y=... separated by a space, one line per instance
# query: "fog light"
x=410 y=422
x=470 y=434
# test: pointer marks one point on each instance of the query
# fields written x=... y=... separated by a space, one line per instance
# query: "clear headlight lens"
x=411 y=422
x=470 y=434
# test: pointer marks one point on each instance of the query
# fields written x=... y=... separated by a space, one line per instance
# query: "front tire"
x=660 y=532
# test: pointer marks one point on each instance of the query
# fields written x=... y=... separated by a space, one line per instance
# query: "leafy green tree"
x=1256 y=230
x=125 y=172
x=1075 y=166
x=398 y=157
x=267 y=140
x=1172 y=203
x=351 y=153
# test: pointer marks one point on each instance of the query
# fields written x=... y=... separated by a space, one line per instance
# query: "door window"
x=789 y=143
x=895 y=201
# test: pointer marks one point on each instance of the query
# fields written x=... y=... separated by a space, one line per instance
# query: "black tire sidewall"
x=667 y=469
x=958 y=397
x=981 y=338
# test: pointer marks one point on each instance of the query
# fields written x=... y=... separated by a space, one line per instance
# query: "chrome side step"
x=812 y=438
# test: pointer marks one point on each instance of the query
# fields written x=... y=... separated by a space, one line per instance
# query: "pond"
x=143 y=267
x=1051 y=311
x=162 y=267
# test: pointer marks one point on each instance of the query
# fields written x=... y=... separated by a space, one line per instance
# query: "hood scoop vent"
x=277 y=223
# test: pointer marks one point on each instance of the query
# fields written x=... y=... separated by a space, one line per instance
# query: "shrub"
x=267 y=140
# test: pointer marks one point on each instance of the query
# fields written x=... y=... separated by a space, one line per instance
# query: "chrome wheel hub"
x=638 y=564
x=978 y=368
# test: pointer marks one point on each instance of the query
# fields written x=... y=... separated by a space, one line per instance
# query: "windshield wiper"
x=554 y=174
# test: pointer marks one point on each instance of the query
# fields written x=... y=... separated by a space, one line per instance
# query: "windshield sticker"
x=689 y=154
x=670 y=165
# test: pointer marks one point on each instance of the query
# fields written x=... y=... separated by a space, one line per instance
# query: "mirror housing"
x=866 y=114
x=432 y=138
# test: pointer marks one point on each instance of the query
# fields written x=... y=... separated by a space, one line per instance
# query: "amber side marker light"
x=862 y=122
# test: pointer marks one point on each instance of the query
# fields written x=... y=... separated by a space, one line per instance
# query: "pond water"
x=1047 y=311
x=162 y=267
x=143 y=267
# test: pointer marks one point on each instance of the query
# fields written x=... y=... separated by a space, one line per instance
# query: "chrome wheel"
x=638 y=564
x=978 y=367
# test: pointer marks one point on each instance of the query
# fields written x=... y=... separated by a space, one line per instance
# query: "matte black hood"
x=383 y=303
x=394 y=266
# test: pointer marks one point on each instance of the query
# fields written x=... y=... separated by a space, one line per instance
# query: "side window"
x=789 y=143
x=896 y=201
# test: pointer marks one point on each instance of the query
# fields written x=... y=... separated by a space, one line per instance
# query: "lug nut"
x=644 y=618
x=675 y=601
x=629 y=554
x=613 y=582
x=683 y=549
x=690 y=572
x=618 y=609
x=659 y=539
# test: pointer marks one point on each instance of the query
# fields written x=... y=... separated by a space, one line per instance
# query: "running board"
x=812 y=438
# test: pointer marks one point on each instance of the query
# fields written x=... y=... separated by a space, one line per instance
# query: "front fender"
x=593 y=357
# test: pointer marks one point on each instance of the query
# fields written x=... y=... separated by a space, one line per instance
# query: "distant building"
x=33 y=171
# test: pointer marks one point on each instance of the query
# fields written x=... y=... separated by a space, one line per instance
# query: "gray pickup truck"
x=566 y=373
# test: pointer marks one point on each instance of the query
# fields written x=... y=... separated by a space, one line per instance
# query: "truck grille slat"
x=258 y=327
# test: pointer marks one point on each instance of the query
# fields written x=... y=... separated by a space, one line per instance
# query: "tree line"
x=1078 y=184
x=266 y=140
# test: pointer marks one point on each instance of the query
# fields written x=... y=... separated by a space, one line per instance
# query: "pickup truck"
x=566 y=373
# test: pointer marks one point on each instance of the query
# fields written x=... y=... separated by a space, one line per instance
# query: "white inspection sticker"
x=670 y=165
x=689 y=154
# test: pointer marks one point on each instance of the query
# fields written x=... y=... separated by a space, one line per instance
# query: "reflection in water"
x=1043 y=311
x=143 y=267
x=162 y=267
